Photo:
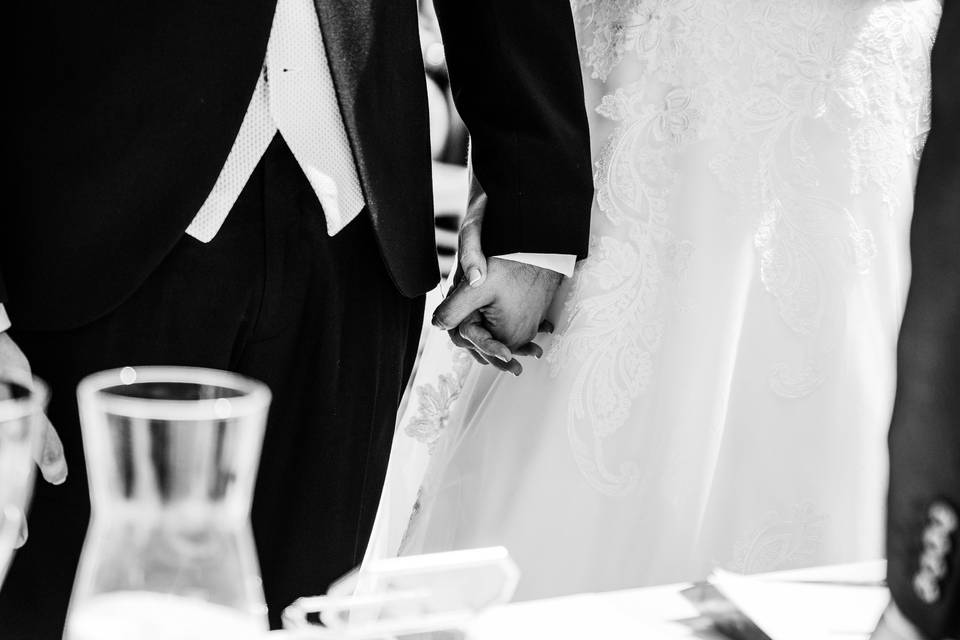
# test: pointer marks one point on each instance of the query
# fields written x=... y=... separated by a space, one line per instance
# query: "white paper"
x=799 y=611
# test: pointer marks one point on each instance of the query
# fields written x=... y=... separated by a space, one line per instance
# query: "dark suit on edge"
x=923 y=558
x=126 y=112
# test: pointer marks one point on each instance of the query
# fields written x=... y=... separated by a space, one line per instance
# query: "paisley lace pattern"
x=613 y=335
x=780 y=541
x=747 y=84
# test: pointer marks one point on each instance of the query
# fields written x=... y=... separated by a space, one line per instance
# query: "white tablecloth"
x=813 y=604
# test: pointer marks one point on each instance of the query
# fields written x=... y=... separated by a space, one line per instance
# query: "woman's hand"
x=48 y=452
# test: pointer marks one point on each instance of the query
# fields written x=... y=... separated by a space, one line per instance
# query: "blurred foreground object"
x=894 y=626
x=22 y=401
x=822 y=603
x=172 y=457
x=436 y=593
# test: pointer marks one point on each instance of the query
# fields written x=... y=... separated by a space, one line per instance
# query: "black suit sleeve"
x=925 y=433
x=515 y=75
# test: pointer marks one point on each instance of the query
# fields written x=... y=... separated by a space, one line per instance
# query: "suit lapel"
x=348 y=30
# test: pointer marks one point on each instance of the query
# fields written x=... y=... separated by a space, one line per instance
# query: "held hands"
x=49 y=450
x=496 y=307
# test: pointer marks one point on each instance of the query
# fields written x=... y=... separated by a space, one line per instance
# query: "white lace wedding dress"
x=719 y=386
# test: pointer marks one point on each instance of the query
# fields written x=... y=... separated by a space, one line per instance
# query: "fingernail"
x=474 y=276
x=502 y=359
x=437 y=323
x=57 y=477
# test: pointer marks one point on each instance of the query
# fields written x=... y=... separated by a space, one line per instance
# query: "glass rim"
x=19 y=408
x=253 y=395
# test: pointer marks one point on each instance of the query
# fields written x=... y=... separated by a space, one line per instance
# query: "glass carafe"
x=22 y=401
x=172 y=457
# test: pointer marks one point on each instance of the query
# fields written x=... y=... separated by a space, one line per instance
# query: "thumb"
x=49 y=454
x=13 y=528
x=473 y=264
x=457 y=306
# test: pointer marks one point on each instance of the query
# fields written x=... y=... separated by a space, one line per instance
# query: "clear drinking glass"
x=172 y=457
x=22 y=401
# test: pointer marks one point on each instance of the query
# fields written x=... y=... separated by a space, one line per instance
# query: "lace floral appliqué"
x=436 y=400
x=761 y=87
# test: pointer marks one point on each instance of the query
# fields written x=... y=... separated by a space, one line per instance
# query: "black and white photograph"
x=482 y=320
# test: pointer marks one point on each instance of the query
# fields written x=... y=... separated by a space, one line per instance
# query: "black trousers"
x=272 y=297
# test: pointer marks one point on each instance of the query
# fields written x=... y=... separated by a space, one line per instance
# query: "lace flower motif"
x=435 y=401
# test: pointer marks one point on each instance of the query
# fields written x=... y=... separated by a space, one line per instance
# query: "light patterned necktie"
x=294 y=95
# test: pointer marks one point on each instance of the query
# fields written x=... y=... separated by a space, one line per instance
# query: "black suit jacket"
x=126 y=111
x=925 y=433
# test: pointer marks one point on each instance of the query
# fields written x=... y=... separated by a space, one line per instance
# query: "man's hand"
x=501 y=313
x=48 y=452
x=497 y=306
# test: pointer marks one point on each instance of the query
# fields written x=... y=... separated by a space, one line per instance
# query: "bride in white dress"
x=719 y=384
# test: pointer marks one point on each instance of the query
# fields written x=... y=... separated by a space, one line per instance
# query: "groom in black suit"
x=127 y=118
x=923 y=519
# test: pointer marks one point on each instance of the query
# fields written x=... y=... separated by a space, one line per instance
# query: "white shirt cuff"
x=559 y=262
x=4 y=319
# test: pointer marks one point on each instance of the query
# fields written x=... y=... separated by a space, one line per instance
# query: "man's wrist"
x=560 y=262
